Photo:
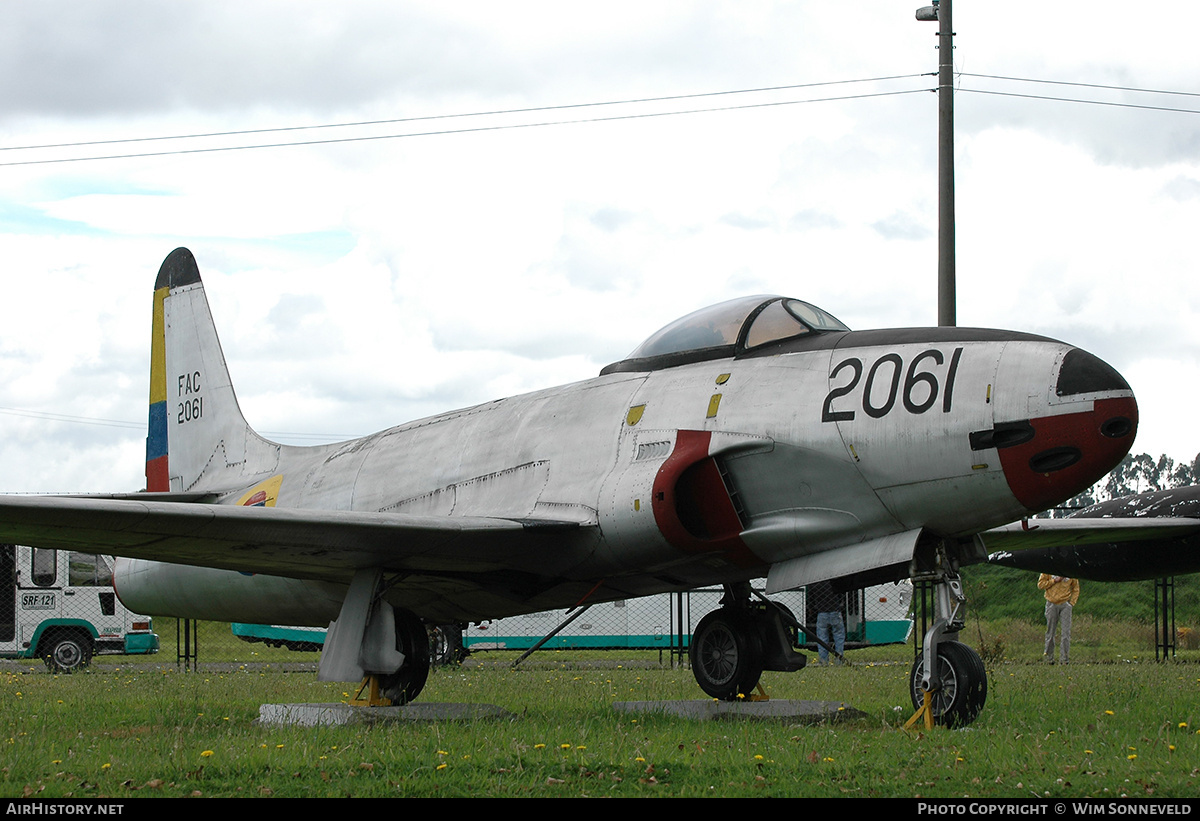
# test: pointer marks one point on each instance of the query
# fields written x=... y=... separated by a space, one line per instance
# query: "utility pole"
x=941 y=12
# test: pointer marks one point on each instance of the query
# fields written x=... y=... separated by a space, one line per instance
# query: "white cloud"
x=358 y=285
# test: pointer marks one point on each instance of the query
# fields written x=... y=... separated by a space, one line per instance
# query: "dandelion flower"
x=206 y=753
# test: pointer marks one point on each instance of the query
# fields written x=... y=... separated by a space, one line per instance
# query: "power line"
x=530 y=110
x=1084 y=102
x=79 y=420
x=443 y=132
x=566 y=107
x=1081 y=85
x=119 y=423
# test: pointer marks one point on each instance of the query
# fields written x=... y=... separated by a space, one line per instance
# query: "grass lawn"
x=1127 y=728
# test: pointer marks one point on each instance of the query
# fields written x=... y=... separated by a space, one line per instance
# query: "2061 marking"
x=919 y=392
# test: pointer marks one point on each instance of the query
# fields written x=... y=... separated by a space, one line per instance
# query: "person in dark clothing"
x=831 y=625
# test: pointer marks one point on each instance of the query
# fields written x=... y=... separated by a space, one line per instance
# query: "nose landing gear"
x=948 y=682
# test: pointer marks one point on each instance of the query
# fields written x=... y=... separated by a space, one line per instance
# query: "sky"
x=448 y=254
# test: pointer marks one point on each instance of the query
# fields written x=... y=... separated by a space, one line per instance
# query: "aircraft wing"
x=322 y=544
x=1043 y=533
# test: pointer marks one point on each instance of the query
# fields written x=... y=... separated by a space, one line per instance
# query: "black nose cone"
x=1083 y=373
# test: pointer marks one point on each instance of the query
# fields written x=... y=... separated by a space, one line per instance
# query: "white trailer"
x=875 y=615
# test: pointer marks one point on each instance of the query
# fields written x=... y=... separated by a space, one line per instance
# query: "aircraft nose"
x=1082 y=430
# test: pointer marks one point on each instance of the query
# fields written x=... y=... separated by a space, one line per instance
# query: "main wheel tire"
x=406 y=684
x=964 y=685
x=67 y=652
x=726 y=654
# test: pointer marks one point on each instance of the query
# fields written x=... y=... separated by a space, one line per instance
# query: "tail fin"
x=198 y=438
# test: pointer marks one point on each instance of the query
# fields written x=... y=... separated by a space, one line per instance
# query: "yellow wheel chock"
x=761 y=695
x=374 y=697
x=926 y=711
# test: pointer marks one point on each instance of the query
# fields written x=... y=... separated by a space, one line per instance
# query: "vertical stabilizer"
x=197 y=438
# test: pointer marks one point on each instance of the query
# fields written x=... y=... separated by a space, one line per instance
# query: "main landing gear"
x=948 y=682
x=385 y=647
x=732 y=645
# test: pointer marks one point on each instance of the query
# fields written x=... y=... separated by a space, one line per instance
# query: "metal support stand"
x=678 y=623
x=187 y=644
x=1164 y=618
x=550 y=635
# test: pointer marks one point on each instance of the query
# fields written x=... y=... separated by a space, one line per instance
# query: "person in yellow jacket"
x=1061 y=594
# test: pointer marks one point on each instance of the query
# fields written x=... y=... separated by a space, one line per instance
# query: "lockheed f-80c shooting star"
x=759 y=437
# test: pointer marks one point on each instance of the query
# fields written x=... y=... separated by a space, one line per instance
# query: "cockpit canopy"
x=727 y=329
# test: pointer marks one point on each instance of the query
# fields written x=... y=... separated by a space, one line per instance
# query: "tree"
x=1135 y=474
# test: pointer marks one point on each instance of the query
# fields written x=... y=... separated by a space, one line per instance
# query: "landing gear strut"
x=732 y=645
x=948 y=682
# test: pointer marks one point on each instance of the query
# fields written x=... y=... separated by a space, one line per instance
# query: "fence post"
x=1164 y=618
x=187 y=647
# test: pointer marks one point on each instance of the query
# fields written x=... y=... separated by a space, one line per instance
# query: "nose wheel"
x=961 y=688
